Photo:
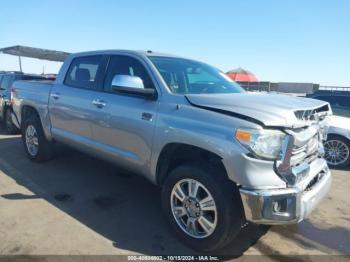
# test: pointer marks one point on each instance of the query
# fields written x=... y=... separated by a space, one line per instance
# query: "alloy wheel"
x=194 y=208
x=31 y=140
x=336 y=152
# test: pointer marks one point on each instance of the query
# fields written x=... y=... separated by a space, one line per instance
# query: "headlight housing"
x=264 y=144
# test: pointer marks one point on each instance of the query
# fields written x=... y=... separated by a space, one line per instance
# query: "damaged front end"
x=303 y=144
x=302 y=167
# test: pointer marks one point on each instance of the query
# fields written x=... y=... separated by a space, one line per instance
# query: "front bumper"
x=289 y=205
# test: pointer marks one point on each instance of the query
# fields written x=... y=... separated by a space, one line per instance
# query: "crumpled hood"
x=267 y=109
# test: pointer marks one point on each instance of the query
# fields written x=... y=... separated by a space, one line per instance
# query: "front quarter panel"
x=179 y=122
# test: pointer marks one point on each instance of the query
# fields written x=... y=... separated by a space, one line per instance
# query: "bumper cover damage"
x=292 y=204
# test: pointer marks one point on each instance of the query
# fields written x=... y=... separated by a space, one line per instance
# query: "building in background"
x=251 y=83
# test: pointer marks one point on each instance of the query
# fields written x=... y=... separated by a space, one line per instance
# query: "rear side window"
x=83 y=72
x=6 y=82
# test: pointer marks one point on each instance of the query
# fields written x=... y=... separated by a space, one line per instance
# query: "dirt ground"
x=77 y=205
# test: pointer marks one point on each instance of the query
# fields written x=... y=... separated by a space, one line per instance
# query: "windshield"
x=185 y=76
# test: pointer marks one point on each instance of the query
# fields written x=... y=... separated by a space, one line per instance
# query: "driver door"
x=124 y=124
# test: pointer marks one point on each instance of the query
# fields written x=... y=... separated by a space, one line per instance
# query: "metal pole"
x=20 y=63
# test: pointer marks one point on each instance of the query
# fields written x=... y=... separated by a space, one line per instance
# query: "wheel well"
x=175 y=154
x=339 y=136
x=28 y=111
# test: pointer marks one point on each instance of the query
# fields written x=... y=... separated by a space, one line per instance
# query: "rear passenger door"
x=71 y=102
x=124 y=125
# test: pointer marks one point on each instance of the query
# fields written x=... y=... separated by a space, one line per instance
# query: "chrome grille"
x=303 y=144
x=312 y=114
x=299 y=154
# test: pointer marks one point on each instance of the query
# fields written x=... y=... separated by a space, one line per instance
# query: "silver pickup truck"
x=222 y=156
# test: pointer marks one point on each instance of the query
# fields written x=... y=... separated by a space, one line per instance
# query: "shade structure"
x=32 y=52
x=242 y=75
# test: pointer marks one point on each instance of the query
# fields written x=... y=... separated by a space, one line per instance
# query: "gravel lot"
x=76 y=204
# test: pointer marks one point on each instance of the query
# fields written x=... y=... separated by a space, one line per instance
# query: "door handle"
x=55 y=96
x=147 y=116
x=99 y=103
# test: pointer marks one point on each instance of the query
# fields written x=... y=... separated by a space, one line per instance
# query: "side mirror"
x=131 y=85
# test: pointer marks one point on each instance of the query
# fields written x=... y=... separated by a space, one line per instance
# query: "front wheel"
x=37 y=147
x=337 y=151
x=202 y=207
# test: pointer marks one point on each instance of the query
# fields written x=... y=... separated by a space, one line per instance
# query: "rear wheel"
x=202 y=207
x=10 y=127
x=337 y=151
x=37 y=147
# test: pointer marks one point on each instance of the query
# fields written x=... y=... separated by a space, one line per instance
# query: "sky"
x=282 y=41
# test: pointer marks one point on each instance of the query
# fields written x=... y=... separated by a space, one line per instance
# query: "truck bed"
x=31 y=93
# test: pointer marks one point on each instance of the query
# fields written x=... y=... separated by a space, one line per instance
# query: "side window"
x=125 y=65
x=83 y=72
x=6 y=82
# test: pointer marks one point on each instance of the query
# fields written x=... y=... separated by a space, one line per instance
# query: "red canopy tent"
x=242 y=75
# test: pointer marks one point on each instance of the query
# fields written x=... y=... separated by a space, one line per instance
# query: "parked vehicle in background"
x=337 y=146
x=49 y=76
x=221 y=155
x=1 y=76
x=7 y=80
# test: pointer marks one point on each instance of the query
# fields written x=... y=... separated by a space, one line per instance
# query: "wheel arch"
x=175 y=154
x=27 y=111
x=344 y=136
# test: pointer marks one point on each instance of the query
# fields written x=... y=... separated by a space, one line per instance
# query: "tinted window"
x=125 y=65
x=185 y=76
x=6 y=82
x=83 y=72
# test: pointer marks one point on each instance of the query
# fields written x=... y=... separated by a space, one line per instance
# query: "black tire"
x=45 y=148
x=230 y=216
x=9 y=125
x=346 y=142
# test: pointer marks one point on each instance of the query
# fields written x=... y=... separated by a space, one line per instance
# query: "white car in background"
x=337 y=146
